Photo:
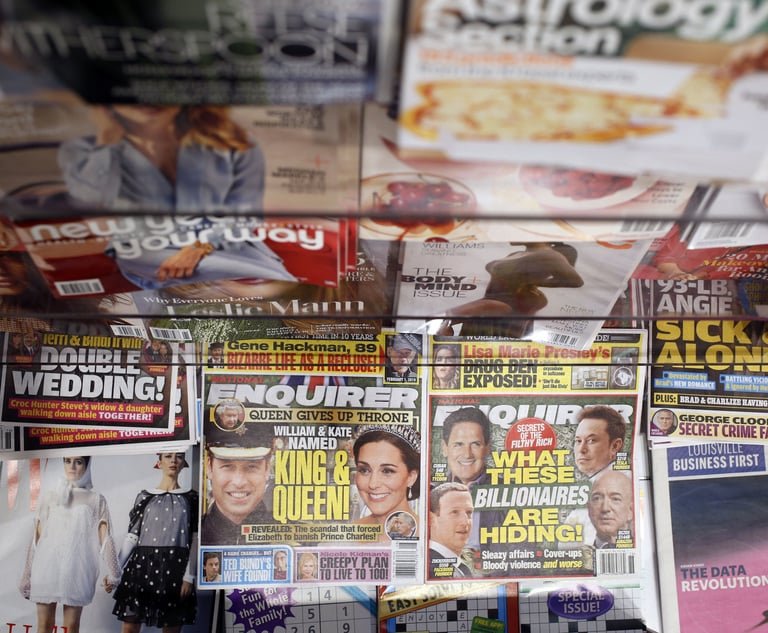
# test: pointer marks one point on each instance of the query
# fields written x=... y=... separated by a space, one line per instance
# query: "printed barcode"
x=645 y=226
x=168 y=334
x=80 y=287
x=615 y=562
x=560 y=339
x=404 y=559
x=717 y=230
x=129 y=330
x=6 y=439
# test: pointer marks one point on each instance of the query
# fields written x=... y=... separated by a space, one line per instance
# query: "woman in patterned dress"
x=159 y=555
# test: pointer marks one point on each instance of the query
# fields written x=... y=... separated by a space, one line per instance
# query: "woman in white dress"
x=71 y=548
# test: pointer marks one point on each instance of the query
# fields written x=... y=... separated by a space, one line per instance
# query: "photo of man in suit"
x=450 y=523
x=611 y=507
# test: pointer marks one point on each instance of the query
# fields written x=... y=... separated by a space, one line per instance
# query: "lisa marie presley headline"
x=88 y=373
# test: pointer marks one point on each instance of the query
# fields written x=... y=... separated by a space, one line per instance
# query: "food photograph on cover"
x=383 y=316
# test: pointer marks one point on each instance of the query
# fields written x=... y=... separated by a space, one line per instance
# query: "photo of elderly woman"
x=229 y=414
x=401 y=525
x=71 y=544
x=387 y=468
x=161 y=544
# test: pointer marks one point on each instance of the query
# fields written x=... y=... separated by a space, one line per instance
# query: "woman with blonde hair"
x=445 y=370
x=190 y=158
x=183 y=158
x=307 y=567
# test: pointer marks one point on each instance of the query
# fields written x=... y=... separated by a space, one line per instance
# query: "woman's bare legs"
x=131 y=627
x=72 y=618
x=46 y=617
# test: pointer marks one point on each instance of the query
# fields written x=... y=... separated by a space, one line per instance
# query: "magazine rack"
x=396 y=203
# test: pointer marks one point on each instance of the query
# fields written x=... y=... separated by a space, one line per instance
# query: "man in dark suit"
x=466 y=445
x=610 y=508
x=237 y=468
x=450 y=523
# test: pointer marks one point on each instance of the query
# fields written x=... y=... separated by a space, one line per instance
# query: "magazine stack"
x=374 y=316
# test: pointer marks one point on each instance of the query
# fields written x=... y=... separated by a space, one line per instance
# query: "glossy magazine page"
x=555 y=293
x=421 y=197
x=255 y=308
x=97 y=256
x=607 y=87
x=60 y=154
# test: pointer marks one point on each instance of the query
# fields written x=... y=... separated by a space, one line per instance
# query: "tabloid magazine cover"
x=25 y=442
x=76 y=534
x=637 y=87
x=93 y=256
x=551 y=292
x=204 y=51
x=531 y=457
x=58 y=154
x=486 y=201
x=707 y=381
x=713 y=551
x=90 y=382
x=312 y=462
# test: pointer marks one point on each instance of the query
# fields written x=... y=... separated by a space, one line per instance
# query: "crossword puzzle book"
x=494 y=607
